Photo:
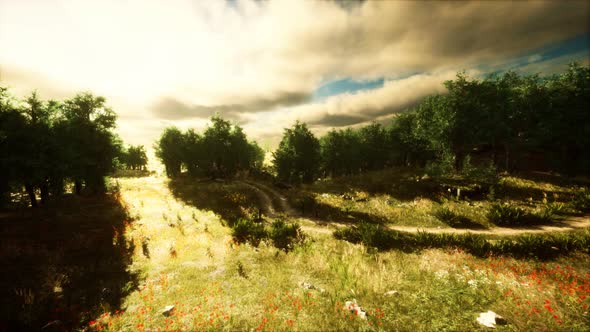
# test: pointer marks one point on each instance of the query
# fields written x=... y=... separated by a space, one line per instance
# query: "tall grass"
x=542 y=246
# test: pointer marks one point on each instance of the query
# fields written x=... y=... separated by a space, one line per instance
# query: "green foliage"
x=246 y=230
x=341 y=152
x=297 y=158
x=222 y=151
x=445 y=215
x=134 y=157
x=284 y=235
x=581 y=200
x=441 y=167
x=169 y=149
x=505 y=214
x=44 y=144
x=543 y=246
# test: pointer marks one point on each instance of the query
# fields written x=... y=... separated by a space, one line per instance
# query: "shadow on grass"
x=131 y=173
x=306 y=205
x=65 y=263
x=462 y=222
x=231 y=200
x=538 y=246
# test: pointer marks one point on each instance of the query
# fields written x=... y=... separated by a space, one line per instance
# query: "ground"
x=180 y=252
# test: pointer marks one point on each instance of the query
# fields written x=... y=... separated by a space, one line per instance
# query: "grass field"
x=168 y=244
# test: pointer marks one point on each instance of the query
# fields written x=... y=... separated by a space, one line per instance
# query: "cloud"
x=354 y=108
x=172 y=109
x=259 y=62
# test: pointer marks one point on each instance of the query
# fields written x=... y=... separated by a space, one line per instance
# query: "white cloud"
x=215 y=55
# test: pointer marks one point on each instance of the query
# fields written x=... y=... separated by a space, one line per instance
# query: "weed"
x=505 y=214
x=445 y=215
x=284 y=236
x=241 y=270
x=541 y=246
x=245 y=230
x=581 y=200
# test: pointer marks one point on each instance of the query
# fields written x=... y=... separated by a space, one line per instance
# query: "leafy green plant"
x=284 y=235
x=245 y=230
x=445 y=215
x=541 y=246
x=581 y=200
x=443 y=166
x=480 y=174
x=505 y=214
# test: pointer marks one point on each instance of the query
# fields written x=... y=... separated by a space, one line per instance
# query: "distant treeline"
x=47 y=145
x=220 y=152
x=508 y=122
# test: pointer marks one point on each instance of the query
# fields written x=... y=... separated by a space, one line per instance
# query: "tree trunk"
x=459 y=156
x=31 y=191
x=507 y=156
x=78 y=186
x=44 y=191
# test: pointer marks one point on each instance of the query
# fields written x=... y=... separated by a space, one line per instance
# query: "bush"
x=487 y=174
x=445 y=215
x=284 y=236
x=581 y=200
x=504 y=214
x=541 y=246
x=442 y=167
x=245 y=230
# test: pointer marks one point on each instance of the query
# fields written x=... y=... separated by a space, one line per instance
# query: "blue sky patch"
x=346 y=85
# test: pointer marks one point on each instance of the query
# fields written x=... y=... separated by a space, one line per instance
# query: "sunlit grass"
x=217 y=284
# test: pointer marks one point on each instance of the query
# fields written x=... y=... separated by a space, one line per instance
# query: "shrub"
x=245 y=230
x=284 y=236
x=505 y=214
x=445 y=215
x=486 y=174
x=443 y=166
x=581 y=200
x=542 y=246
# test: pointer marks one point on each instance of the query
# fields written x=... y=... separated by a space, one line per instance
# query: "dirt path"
x=273 y=202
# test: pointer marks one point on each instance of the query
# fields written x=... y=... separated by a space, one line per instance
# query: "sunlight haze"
x=260 y=64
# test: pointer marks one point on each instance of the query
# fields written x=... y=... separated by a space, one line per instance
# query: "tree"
x=298 y=157
x=135 y=157
x=193 y=152
x=406 y=146
x=169 y=149
x=91 y=146
x=341 y=152
x=374 y=146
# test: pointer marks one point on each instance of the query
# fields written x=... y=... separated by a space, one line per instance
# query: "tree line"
x=510 y=121
x=221 y=151
x=507 y=121
x=46 y=146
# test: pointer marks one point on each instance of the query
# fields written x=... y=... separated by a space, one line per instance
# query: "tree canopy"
x=45 y=144
x=221 y=151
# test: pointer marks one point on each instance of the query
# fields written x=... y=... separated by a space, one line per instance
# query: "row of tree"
x=46 y=145
x=133 y=157
x=220 y=152
x=513 y=121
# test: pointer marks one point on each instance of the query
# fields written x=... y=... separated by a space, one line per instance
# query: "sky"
x=265 y=64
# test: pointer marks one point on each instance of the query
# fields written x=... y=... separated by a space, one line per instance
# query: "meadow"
x=173 y=243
